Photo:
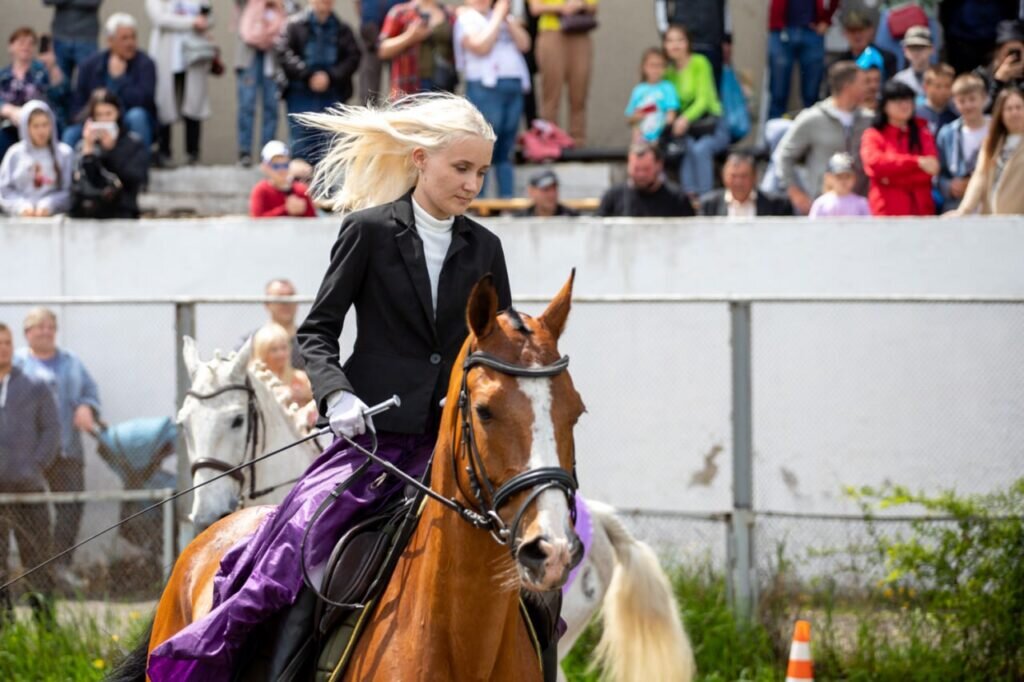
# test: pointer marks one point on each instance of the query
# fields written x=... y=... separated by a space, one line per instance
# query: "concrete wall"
x=627 y=27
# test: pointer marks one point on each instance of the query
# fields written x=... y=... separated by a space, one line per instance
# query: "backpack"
x=901 y=19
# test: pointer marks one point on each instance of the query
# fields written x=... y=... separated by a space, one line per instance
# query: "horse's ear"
x=190 y=354
x=241 y=360
x=482 y=309
x=558 y=310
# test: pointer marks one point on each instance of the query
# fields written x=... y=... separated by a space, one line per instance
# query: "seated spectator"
x=700 y=121
x=1007 y=66
x=29 y=443
x=706 y=20
x=78 y=406
x=278 y=194
x=870 y=61
x=542 y=188
x=796 y=34
x=899 y=157
x=859 y=31
x=918 y=49
x=26 y=78
x=271 y=345
x=739 y=199
x=653 y=104
x=417 y=38
x=833 y=125
x=996 y=185
x=35 y=176
x=319 y=55
x=112 y=163
x=124 y=70
x=938 y=87
x=839 y=198
x=960 y=141
x=490 y=44
x=647 y=194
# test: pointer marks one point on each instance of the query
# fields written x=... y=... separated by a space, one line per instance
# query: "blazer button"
x=435 y=358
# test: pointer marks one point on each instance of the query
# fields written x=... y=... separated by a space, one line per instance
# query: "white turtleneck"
x=437 y=236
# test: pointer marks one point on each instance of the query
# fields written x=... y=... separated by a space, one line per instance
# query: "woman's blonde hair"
x=264 y=338
x=369 y=160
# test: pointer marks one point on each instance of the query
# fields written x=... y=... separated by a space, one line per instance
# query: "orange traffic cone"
x=800 y=667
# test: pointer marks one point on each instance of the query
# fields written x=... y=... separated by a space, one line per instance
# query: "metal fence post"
x=741 y=568
x=184 y=325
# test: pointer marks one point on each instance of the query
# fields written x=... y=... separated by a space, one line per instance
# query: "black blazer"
x=713 y=204
x=377 y=265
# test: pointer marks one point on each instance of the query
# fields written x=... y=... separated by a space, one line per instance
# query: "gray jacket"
x=817 y=134
x=29 y=431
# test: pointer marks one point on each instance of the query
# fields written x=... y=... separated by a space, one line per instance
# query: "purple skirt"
x=261 y=574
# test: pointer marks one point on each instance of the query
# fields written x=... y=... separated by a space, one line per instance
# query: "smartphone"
x=205 y=10
x=44 y=43
x=425 y=16
x=1014 y=54
x=103 y=127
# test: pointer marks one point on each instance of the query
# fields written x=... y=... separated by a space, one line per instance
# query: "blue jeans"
x=803 y=45
x=254 y=86
x=136 y=120
x=697 y=169
x=306 y=143
x=502 y=106
x=71 y=53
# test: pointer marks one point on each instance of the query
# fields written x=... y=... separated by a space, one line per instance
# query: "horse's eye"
x=484 y=413
x=237 y=422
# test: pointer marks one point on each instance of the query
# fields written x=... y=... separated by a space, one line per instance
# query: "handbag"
x=94 y=195
x=901 y=19
x=197 y=50
x=705 y=125
x=445 y=77
x=544 y=141
x=734 y=105
x=581 y=22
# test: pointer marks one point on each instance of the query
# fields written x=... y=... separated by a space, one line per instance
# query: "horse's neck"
x=276 y=431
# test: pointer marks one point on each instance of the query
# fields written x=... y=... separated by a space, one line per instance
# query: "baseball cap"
x=543 y=179
x=272 y=149
x=840 y=162
x=917 y=36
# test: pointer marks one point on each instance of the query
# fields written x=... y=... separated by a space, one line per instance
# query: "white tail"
x=643 y=636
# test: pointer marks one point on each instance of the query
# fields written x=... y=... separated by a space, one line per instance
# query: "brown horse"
x=451 y=610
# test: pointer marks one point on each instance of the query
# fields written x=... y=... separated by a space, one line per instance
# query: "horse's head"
x=515 y=452
x=217 y=419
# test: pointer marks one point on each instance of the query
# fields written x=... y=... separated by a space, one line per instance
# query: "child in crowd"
x=278 y=194
x=938 y=86
x=654 y=103
x=839 y=198
x=35 y=176
x=960 y=141
x=917 y=48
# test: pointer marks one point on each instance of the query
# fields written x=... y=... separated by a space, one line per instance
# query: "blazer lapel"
x=411 y=248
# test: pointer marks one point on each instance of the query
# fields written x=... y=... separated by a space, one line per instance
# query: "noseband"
x=489 y=500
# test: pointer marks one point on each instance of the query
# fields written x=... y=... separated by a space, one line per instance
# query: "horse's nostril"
x=532 y=553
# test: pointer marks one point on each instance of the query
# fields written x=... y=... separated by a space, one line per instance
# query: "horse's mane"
x=296 y=414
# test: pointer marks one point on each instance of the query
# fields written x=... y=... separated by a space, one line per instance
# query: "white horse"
x=643 y=638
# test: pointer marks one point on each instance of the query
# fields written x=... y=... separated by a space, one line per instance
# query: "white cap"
x=272 y=149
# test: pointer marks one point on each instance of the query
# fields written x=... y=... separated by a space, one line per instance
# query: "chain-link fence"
x=924 y=393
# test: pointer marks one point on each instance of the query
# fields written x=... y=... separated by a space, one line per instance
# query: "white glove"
x=345 y=413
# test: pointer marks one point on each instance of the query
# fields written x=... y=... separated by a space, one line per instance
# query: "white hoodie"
x=28 y=174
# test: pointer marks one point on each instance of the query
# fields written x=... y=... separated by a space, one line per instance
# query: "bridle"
x=255 y=430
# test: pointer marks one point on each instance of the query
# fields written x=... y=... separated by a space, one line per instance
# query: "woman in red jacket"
x=899 y=156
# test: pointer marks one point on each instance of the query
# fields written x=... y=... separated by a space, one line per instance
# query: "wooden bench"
x=488 y=207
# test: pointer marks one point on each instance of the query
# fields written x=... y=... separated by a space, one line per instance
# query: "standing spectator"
x=969 y=29
x=35 y=176
x=960 y=141
x=491 y=43
x=112 y=166
x=179 y=45
x=371 y=20
x=839 y=198
x=647 y=194
x=282 y=314
x=700 y=121
x=542 y=188
x=995 y=186
x=271 y=345
x=938 y=90
x=899 y=157
x=565 y=56
x=797 y=35
x=29 y=442
x=278 y=195
x=706 y=20
x=859 y=31
x=653 y=104
x=1007 y=66
x=256 y=69
x=124 y=70
x=78 y=405
x=25 y=79
x=75 y=29
x=918 y=49
x=833 y=125
x=319 y=55
x=739 y=199
x=417 y=39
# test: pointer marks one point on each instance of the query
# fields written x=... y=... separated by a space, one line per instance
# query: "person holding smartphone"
x=1007 y=68
x=28 y=77
x=417 y=39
